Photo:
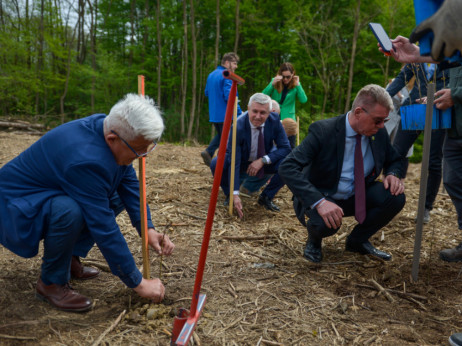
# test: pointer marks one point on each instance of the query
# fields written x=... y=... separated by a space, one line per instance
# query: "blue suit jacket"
x=217 y=90
x=273 y=134
x=74 y=160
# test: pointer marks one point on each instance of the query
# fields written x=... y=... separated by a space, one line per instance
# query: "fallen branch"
x=108 y=330
x=383 y=290
x=400 y=293
x=14 y=337
x=257 y=237
x=193 y=216
x=22 y=125
x=268 y=342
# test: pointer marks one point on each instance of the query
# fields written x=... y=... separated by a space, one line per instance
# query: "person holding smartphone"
x=285 y=88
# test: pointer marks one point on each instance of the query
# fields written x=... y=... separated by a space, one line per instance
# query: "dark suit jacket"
x=312 y=170
x=420 y=86
x=273 y=133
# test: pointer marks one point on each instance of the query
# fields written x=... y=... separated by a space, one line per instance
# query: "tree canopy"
x=65 y=59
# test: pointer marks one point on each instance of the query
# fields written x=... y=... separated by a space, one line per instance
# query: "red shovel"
x=185 y=323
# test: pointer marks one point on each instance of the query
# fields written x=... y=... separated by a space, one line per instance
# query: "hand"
x=160 y=243
x=254 y=167
x=422 y=100
x=393 y=183
x=276 y=79
x=296 y=80
x=443 y=99
x=238 y=206
x=331 y=213
x=152 y=289
x=446 y=27
x=404 y=51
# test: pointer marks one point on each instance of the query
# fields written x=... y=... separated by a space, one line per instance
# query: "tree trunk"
x=236 y=38
x=39 y=56
x=353 y=55
x=132 y=32
x=159 y=54
x=201 y=93
x=217 y=38
x=145 y=33
x=184 y=70
x=194 y=77
x=93 y=20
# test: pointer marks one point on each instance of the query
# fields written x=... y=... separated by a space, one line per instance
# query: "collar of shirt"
x=349 y=132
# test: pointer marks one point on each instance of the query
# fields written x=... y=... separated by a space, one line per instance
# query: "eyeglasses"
x=376 y=121
x=151 y=147
x=286 y=77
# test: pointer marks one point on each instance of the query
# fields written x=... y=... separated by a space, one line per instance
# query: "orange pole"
x=143 y=207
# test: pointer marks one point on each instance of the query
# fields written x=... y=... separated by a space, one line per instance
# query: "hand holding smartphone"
x=382 y=37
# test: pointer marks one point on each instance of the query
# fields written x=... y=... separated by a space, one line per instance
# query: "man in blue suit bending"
x=261 y=145
x=67 y=189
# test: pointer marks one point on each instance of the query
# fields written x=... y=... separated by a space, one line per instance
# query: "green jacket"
x=455 y=84
x=288 y=107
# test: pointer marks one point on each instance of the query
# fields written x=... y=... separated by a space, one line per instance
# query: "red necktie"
x=360 y=185
x=260 y=150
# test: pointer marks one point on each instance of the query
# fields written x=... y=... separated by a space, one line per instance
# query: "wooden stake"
x=233 y=161
x=143 y=208
x=298 y=131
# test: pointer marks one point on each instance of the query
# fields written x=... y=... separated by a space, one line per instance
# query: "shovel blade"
x=184 y=325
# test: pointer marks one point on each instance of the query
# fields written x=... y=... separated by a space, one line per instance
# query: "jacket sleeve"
x=301 y=93
x=295 y=169
x=129 y=193
x=269 y=89
x=400 y=80
x=282 y=143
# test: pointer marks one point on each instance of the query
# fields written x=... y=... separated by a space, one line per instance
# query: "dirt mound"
x=260 y=291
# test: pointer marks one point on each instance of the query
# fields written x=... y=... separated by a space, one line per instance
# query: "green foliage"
x=42 y=64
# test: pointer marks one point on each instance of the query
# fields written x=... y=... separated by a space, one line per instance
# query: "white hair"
x=135 y=116
x=261 y=99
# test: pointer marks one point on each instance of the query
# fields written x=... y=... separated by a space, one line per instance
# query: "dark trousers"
x=270 y=190
x=452 y=172
x=403 y=142
x=65 y=235
x=215 y=142
x=381 y=208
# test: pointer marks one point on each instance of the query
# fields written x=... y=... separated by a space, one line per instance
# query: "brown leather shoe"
x=63 y=297
x=79 y=272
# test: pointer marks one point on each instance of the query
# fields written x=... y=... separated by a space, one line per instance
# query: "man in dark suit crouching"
x=321 y=174
x=261 y=145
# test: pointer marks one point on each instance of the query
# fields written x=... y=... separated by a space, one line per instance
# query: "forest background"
x=66 y=59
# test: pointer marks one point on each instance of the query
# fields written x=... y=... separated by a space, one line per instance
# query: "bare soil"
x=260 y=290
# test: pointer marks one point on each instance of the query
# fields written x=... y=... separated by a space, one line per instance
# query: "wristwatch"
x=265 y=160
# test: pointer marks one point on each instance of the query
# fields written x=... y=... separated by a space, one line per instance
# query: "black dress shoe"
x=313 y=251
x=366 y=248
x=267 y=203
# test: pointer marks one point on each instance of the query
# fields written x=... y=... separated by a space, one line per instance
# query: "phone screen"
x=381 y=36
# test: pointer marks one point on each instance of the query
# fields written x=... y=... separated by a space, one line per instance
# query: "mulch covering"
x=260 y=290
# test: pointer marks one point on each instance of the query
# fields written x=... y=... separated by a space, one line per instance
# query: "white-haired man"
x=258 y=132
x=67 y=189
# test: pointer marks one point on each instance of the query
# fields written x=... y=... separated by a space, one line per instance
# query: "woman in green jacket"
x=285 y=88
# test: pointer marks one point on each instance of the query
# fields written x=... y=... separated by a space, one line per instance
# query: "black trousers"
x=381 y=208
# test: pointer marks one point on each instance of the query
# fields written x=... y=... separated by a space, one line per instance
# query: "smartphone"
x=382 y=37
